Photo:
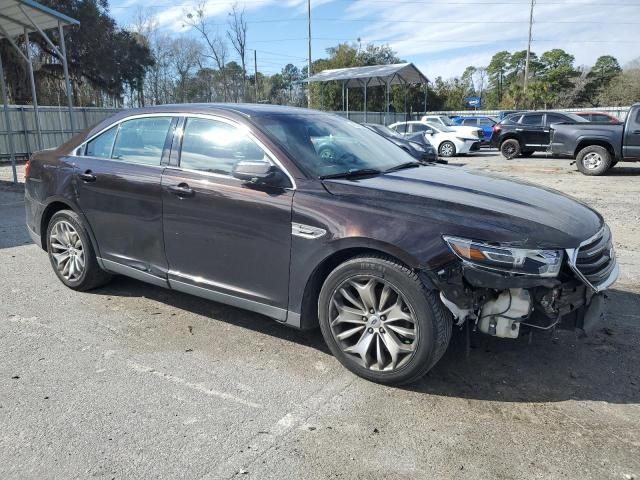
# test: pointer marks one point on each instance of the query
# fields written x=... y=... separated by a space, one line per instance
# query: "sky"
x=441 y=37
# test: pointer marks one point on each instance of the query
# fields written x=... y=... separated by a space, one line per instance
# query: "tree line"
x=140 y=65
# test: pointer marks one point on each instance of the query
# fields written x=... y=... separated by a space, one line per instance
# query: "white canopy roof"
x=16 y=15
x=397 y=73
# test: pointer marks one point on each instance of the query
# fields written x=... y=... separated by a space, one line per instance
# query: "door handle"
x=87 y=176
x=636 y=132
x=181 y=190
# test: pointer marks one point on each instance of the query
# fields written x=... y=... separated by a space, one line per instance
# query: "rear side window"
x=486 y=122
x=102 y=145
x=534 y=119
x=141 y=140
x=600 y=118
x=510 y=119
x=472 y=122
x=402 y=128
x=215 y=147
x=418 y=127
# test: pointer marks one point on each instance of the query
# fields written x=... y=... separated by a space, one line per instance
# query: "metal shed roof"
x=16 y=15
x=397 y=73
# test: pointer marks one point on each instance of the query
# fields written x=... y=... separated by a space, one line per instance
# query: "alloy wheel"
x=372 y=323
x=592 y=160
x=509 y=150
x=67 y=250
x=446 y=150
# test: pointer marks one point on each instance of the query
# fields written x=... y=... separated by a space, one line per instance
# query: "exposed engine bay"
x=501 y=311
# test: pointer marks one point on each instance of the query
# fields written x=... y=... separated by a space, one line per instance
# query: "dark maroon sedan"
x=235 y=203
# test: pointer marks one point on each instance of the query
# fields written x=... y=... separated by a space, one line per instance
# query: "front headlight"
x=541 y=263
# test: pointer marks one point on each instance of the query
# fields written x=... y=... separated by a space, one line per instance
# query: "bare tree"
x=216 y=47
x=238 y=36
x=481 y=80
x=185 y=52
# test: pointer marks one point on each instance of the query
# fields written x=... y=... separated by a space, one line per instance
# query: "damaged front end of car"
x=501 y=288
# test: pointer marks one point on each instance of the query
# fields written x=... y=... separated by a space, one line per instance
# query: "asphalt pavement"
x=135 y=381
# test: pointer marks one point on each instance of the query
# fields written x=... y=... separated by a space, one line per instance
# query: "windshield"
x=447 y=121
x=440 y=128
x=323 y=144
x=387 y=131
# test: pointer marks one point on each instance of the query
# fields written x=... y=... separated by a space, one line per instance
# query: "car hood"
x=476 y=205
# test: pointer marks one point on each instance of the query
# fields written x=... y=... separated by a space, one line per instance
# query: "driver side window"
x=215 y=147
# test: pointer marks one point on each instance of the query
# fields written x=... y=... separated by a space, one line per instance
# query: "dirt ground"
x=134 y=381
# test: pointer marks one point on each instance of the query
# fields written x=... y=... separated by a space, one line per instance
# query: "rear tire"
x=390 y=338
x=71 y=252
x=510 y=148
x=593 y=160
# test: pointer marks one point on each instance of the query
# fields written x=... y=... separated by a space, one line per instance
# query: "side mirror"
x=259 y=172
x=428 y=132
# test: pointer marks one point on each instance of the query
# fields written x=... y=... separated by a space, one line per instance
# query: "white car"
x=445 y=121
x=446 y=141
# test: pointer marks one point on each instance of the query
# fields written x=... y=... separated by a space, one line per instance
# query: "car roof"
x=245 y=109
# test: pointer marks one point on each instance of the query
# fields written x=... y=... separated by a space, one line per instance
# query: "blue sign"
x=472 y=101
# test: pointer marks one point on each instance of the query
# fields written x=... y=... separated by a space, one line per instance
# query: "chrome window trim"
x=208 y=116
x=83 y=145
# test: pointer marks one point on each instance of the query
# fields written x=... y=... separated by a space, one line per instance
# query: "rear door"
x=224 y=239
x=532 y=131
x=631 y=141
x=118 y=189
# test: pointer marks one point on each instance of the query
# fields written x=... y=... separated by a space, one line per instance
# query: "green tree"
x=598 y=79
x=558 y=71
x=496 y=71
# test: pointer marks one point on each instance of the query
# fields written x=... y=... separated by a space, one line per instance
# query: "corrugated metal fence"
x=54 y=124
x=56 y=128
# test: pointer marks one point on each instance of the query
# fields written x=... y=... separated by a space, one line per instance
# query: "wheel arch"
x=309 y=303
x=510 y=136
x=55 y=205
x=584 y=143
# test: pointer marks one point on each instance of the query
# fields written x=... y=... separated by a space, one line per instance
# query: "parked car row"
x=515 y=133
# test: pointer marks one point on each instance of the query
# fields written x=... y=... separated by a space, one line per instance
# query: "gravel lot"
x=133 y=381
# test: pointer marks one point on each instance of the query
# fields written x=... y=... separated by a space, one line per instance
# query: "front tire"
x=510 y=148
x=380 y=321
x=593 y=160
x=71 y=253
x=447 y=149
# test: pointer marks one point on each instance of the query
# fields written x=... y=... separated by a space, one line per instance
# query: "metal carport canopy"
x=22 y=17
x=16 y=15
x=397 y=73
x=373 y=76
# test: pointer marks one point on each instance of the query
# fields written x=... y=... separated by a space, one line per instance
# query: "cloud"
x=445 y=37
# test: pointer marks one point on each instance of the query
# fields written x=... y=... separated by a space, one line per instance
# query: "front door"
x=631 y=141
x=224 y=239
x=118 y=189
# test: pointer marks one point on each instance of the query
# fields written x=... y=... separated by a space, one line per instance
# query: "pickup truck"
x=598 y=147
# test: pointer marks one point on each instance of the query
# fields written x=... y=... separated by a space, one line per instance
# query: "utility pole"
x=526 y=65
x=255 y=72
x=309 y=58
